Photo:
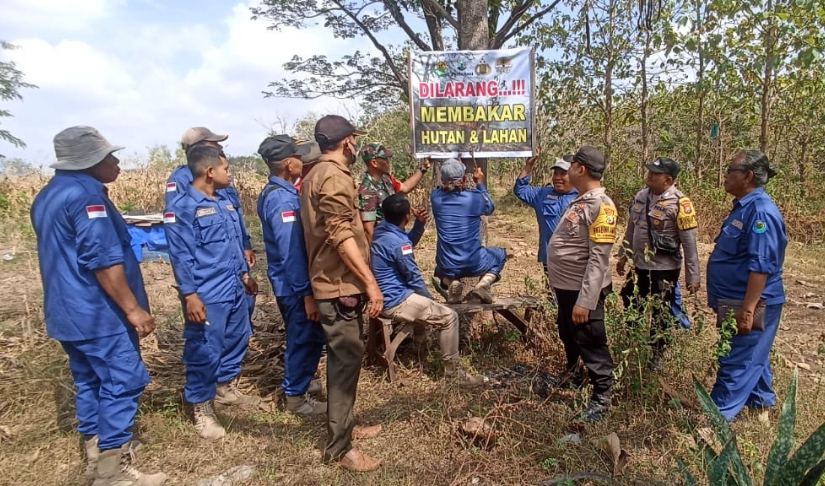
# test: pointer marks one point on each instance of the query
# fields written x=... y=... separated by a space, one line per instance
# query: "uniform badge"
x=230 y=207
x=171 y=187
x=656 y=222
x=760 y=227
x=98 y=211
x=169 y=218
x=552 y=196
x=737 y=224
x=637 y=207
x=406 y=250
x=656 y=214
x=288 y=216
x=686 y=219
x=603 y=229
x=201 y=212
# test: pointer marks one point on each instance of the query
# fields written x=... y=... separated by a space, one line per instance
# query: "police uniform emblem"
x=760 y=227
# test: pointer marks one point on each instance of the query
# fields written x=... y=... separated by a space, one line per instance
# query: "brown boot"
x=92 y=456
x=229 y=394
x=452 y=371
x=356 y=461
x=114 y=468
x=366 y=431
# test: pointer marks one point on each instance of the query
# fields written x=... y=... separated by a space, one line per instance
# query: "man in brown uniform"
x=341 y=281
x=578 y=269
x=662 y=223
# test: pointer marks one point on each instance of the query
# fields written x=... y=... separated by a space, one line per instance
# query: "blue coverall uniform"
x=206 y=249
x=279 y=207
x=177 y=183
x=80 y=231
x=548 y=204
x=459 y=251
x=752 y=239
x=393 y=263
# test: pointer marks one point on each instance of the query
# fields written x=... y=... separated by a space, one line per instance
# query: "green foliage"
x=805 y=467
x=726 y=333
x=11 y=82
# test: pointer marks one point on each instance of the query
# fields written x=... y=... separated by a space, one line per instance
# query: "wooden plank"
x=498 y=303
x=516 y=320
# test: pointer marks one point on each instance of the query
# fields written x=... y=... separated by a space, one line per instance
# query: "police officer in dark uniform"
x=94 y=300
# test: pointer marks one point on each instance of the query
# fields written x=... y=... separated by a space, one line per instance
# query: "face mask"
x=353 y=151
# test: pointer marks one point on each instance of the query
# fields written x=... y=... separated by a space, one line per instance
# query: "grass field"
x=421 y=443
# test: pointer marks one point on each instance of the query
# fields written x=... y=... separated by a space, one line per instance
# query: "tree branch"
x=440 y=10
x=526 y=24
x=518 y=11
x=395 y=11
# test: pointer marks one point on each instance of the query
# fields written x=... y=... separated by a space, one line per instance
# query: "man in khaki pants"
x=341 y=282
x=407 y=299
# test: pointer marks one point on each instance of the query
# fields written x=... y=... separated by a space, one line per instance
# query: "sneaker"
x=357 y=461
x=114 y=468
x=596 y=409
x=483 y=294
x=305 y=405
x=454 y=291
x=315 y=387
x=206 y=422
x=92 y=456
x=229 y=394
x=465 y=379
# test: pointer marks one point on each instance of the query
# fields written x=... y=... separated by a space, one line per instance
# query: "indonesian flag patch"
x=169 y=217
x=288 y=216
x=96 y=212
x=406 y=250
x=171 y=187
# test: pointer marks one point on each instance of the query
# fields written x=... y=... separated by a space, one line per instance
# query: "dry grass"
x=421 y=415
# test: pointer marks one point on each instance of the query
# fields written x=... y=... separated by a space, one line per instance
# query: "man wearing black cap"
x=662 y=223
x=578 y=268
x=341 y=280
x=378 y=184
x=279 y=210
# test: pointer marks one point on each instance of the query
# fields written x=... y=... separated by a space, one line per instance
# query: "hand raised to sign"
x=478 y=176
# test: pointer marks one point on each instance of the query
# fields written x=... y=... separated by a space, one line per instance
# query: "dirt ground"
x=532 y=441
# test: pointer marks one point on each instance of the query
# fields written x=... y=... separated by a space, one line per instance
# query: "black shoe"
x=596 y=410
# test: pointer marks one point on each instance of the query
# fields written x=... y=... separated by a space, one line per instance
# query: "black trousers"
x=587 y=341
x=659 y=283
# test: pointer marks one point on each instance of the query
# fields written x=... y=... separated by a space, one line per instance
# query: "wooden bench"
x=382 y=345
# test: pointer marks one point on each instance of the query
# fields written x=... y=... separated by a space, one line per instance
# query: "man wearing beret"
x=578 y=269
x=94 y=301
x=342 y=282
x=661 y=225
x=279 y=210
x=459 y=252
x=378 y=184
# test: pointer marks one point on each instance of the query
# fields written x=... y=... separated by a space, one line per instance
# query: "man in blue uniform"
x=745 y=268
x=406 y=297
x=181 y=178
x=459 y=252
x=94 y=300
x=279 y=207
x=549 y=202
x=205 y=245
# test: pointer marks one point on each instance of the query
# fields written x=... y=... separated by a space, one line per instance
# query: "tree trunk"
x=608 y=87
x=700 y=90
x=770 y=44
x=644 y=109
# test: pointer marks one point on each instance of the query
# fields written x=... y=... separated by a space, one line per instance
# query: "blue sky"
x=143 y=71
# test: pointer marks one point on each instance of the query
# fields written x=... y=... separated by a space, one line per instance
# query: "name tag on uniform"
x=201 y=212
x=171 y=187
x=96 y=212
x=551 y=196
x=288 y=216
x=406 y=250
x=737 y=224
x=169 y=218
x=230 y=207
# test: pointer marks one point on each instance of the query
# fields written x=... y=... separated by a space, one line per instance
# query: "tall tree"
x=11 y=82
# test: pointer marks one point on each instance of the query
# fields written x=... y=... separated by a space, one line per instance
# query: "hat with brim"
x=561 y=164
x=200 y=134
x=452 y=170
x=334 y=128
x=280 y=147
x=314 y=152
x=664 y=165
x=81 y=147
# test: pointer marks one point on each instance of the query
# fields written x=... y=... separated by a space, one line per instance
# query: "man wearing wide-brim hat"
x=95 y=303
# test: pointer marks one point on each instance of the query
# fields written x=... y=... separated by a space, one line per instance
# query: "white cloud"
x=64 y=15
x=145 y=85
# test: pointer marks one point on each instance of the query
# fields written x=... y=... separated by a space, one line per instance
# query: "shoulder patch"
x=171 y=187
x=96 y=211
x=686 y=219
x=406 y=250
x=169 y=217
x=760 y=227
x=201 y=212
x=288 y=216
x=603 y=229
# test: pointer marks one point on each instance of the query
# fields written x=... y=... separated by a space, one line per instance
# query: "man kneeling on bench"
x=406 y=298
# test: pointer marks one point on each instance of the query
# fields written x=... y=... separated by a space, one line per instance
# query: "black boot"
x=597 y=409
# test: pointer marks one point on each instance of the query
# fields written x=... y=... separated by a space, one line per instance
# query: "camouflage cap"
x=376 y=151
